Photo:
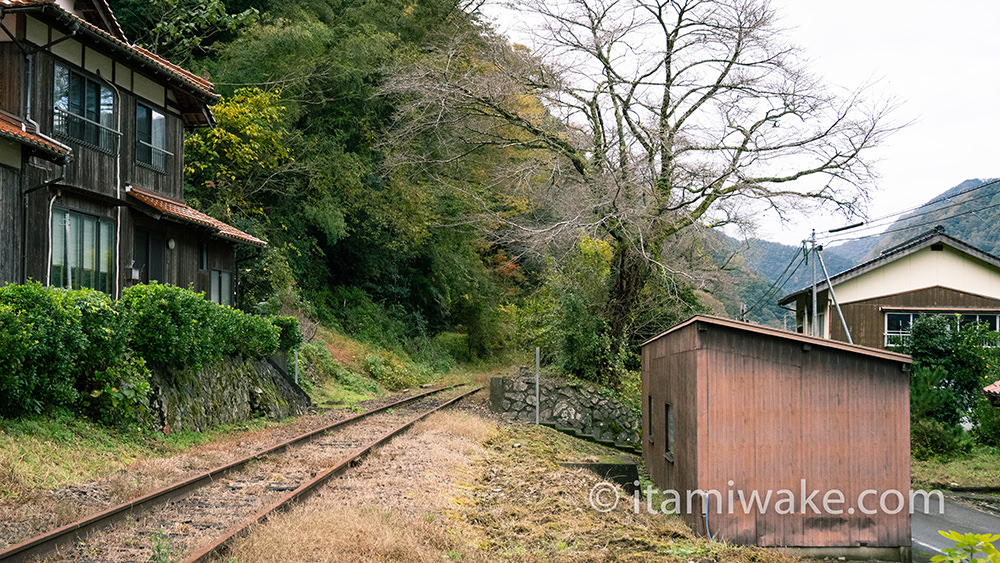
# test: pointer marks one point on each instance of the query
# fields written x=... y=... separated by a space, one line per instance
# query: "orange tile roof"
x=15 y=130
x=181 y=211
x=993 y=389
x=197 y=83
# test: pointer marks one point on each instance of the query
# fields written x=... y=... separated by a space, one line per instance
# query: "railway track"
x=197 y=517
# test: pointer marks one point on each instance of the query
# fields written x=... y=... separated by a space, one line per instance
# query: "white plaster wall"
x=922 y=269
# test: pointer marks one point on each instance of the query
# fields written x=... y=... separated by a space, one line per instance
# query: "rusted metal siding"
x=866 y=320
x=669 y=374
x=772 y=411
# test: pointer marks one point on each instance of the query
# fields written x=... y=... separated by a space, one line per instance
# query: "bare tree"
x=635 y=119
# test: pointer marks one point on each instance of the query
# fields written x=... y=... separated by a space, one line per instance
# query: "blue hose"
x=707 y=531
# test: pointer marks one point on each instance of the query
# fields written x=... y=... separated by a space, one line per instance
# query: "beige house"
x=929 y=274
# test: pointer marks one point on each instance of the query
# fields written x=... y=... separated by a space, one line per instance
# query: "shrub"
x=80 y=349
x=987 y=429
x=68 y=349
x=392 y=373
x=171 y=325
x=250 y=336
x=932 y=438
x=41 y=338
x=124 y=398
x=175 y=326
x=290 y=336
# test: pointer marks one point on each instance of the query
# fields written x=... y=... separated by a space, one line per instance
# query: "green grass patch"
x=52 y=451
x=980 y=468
x=56 y=450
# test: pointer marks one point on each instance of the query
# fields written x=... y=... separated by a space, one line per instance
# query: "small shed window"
x=203 y=257
x=668 y=411
x=649 y=419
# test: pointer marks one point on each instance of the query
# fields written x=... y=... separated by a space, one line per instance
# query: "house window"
x=897 y=329
x=668 y=452
x=82 y=251
x=84 y=110
x=151 y=138
x=898 y=325
x=150 y=256
x=222 y=287
x=203 y=257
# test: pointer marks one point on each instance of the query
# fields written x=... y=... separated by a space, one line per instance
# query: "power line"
x=937 y=200
x=870 y=225
x=778 y=283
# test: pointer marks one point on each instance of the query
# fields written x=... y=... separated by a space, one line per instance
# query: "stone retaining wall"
x=230 y=390
x=573 y=406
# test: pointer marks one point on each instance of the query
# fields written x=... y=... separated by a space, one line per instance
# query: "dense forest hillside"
x=426 y=185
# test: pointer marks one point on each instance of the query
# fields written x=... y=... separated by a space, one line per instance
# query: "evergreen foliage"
x=952 y=362
x=84 y=351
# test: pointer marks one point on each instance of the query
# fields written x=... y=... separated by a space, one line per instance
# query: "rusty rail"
x=46 y=543
x=309 y=487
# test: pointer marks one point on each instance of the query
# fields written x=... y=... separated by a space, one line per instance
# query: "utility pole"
x=815 y=313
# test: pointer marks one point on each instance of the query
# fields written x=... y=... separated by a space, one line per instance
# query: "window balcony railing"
x=149 y=156
x=897 y=338
x=85 y=131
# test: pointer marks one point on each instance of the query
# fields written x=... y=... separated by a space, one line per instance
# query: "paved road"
x=957 y=516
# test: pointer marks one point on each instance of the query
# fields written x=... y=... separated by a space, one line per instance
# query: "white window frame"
x=83 y=251
x=904 y=335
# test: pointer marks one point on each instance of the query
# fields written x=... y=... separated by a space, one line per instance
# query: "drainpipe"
x=118 y=185
x=24 y=222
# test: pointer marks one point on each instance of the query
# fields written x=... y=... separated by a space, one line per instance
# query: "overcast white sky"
x=941 y=61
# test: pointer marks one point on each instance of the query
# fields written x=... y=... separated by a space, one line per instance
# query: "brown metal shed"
x=740 y=409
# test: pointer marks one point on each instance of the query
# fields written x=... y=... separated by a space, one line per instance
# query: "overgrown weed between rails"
x=459 y=488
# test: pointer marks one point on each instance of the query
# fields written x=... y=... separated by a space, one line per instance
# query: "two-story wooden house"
x=929 y=274
x=91 y=158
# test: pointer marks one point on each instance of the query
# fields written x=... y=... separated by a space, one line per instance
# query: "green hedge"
x=82 y=350
x=175 y=326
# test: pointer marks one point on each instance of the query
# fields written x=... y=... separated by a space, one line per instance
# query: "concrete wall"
x=230 y=390
x=568 y=405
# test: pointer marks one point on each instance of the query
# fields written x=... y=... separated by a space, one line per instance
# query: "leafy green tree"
x=950 y=363
x=179 y=29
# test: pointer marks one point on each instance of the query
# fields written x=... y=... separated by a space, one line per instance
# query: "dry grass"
x=458 y=488
x=314 y=533
x=463 y=425
x=11 y=482
x=389 y=509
